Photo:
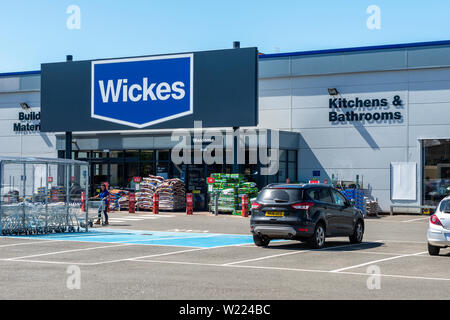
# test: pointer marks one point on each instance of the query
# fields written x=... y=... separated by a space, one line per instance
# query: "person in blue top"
x=103 y=196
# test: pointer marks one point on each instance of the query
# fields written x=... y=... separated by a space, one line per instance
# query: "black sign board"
x=220 y=88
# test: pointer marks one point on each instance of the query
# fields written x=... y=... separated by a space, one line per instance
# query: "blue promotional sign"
x=140 y=92
x=316 y=173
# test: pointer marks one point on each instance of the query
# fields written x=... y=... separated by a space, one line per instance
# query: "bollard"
x=216 y=203
x=155 y=203
x=83 y=201
x=189 y=204
x=244 y=206
x=132 y=203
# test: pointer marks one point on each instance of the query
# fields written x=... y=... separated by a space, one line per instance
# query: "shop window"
x=99 y=155
x=292 y=171
x=283 y=155
x=282 y=172
x=147 y=168
x=116 y=154
x=163 y=155
x=132 y=154
x=292 y=155
x=116 y=175
x=162 y=169
x=82 y=155
x=131 y=170
x=147 y=155
x=436 y=170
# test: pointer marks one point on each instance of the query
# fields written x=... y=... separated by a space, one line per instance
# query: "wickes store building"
x=378 y=117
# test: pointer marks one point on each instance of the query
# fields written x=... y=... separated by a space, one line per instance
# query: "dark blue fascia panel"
x=21 y=73
x=356 y=49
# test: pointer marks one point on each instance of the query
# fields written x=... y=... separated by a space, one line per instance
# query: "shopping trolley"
x=39 y=218
x=99 y=207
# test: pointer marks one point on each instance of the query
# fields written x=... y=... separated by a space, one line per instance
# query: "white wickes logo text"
x=136 y=92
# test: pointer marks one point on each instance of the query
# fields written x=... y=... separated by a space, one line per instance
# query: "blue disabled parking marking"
x=157 y=238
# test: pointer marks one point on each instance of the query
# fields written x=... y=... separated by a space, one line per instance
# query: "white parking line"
x=290 y=253
x=426 y=218
x=401 y=241
x=127 y=219
x=25 y=243
x=266 y=257
x=377 y=261
x=66 y=251
x=292 y=269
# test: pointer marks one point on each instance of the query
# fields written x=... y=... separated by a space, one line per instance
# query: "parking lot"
x=174 y=256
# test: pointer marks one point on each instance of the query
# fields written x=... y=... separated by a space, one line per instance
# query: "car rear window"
x=445 y=206
x=320 y=194
x=281 y=195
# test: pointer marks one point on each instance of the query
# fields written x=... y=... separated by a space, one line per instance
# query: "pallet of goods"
x=230 y=188
x=57 y=194
x=148 y=186
x=371 y=207
x=356 y=195
x=114 y=199
x=172 y=195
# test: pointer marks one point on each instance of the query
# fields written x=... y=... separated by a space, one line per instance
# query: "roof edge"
x=20 y=73
x=356 y=49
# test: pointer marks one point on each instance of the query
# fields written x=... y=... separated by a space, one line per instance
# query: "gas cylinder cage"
x=43 y=195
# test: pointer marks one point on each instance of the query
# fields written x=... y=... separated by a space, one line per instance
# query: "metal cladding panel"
x=219 y=88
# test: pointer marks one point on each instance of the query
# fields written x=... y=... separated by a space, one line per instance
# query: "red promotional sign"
x=50 y=179
x=189 y=204
x=155 y=203
x=83 y=201
x=131 y=203
x=313 y=181
x=73 y=179
x=137 y=179
x=210 y=180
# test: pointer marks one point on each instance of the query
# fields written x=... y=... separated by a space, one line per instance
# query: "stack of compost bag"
x=114 y=199
x=172 y=194
x=123 y=202
x=148 y=186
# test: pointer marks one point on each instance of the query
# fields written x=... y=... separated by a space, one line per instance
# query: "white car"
x=438 y=234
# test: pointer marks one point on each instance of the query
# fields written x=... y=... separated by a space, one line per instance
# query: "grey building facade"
x=375 y=116
x=294 y=95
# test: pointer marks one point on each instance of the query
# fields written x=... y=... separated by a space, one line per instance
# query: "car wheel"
x=261 y=241
x=433 y=250
x=358 y=233
x=317 y=240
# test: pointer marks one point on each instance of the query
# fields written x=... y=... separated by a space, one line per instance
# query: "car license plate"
x=274 y=213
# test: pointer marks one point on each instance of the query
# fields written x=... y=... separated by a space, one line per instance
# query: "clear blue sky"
x=34 y=31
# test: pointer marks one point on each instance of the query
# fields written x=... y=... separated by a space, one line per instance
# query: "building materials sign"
x=29 y=122
x=153 y=92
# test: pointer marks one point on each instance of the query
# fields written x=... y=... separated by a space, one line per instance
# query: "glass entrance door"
x=196 y=184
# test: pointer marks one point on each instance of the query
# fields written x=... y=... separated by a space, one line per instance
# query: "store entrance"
x=195 y=180
x=436 y=170
x=196 y=184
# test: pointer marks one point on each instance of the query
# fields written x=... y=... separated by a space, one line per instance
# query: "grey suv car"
x=305 y=212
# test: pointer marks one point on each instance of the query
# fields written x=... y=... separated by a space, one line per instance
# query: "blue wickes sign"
x=141 y=92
